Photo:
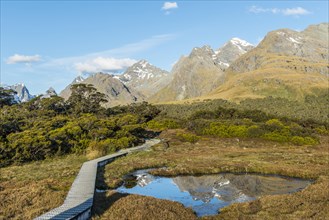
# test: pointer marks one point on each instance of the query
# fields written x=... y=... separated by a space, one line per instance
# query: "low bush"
x=188 y=137
x=163 y=124
x=297 y=140
x=224 y=130
x=255 y=131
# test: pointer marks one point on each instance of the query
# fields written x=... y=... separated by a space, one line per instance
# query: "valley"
x=239 y=114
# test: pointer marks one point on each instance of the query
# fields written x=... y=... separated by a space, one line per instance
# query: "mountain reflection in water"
x=207 y=194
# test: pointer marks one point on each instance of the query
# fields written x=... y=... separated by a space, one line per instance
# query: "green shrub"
x=127 y=119
x=216 y=129
x=274 y=125
x=188 y=137
x=163 y=124
x=204 y=114
x=296 y=129
x=277 y=136
x=223 y=130
x=322 y=130
x=29 y=146
x=297 y=140
x=255 y=131
x=237 y=130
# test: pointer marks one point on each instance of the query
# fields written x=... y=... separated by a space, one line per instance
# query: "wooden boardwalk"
x=80 y=198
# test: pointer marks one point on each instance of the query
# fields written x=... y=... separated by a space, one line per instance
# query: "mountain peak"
x=239 y=42
x=143 y=63
x=204 y=51
x=78 y=79
x=51 y=91
x=23 y=94
x=231 y=51
x=144 y=77
x=21 y=85
x=141 y=70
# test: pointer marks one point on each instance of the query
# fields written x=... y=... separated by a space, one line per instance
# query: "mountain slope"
x=202 y=71
x=289 y=49
x=192 y=76
x=116 y=92
x=286 y=63
x=145 y=78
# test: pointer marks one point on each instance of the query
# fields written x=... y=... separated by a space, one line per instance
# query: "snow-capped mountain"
x=206 y=72
x=286 y=63
x=145 y=78
x=231 y=51
x=308 y=47
x=22 y=93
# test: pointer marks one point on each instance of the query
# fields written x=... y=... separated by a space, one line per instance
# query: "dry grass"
x=125 y=206
x=276 y=82
x=32 y=189
x=211 y=155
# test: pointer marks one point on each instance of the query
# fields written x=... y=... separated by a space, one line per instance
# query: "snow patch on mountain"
x=239 y=42
x=297 y=41
x=23 y=94
x=144 y=77
x=78 y=79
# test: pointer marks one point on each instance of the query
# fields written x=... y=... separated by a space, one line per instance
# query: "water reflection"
x=206 y=194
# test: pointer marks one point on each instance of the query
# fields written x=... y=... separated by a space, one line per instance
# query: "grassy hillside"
x=282 y=80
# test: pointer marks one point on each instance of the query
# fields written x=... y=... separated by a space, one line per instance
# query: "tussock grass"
x=32 y=189
x=214 y=155
x=125 y=206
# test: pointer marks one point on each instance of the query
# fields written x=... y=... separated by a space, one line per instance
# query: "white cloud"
x=124 y=51
x=22 y=59
x=169 y=5
x=103 y=64
x=67 y=68
x=283 y=11
x=295 y=11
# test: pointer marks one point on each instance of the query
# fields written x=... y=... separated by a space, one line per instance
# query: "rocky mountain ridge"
x=286 y=63
x=202 y=71
x=145 y=78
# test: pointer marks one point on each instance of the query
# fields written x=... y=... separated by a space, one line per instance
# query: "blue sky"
x=49 y=43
